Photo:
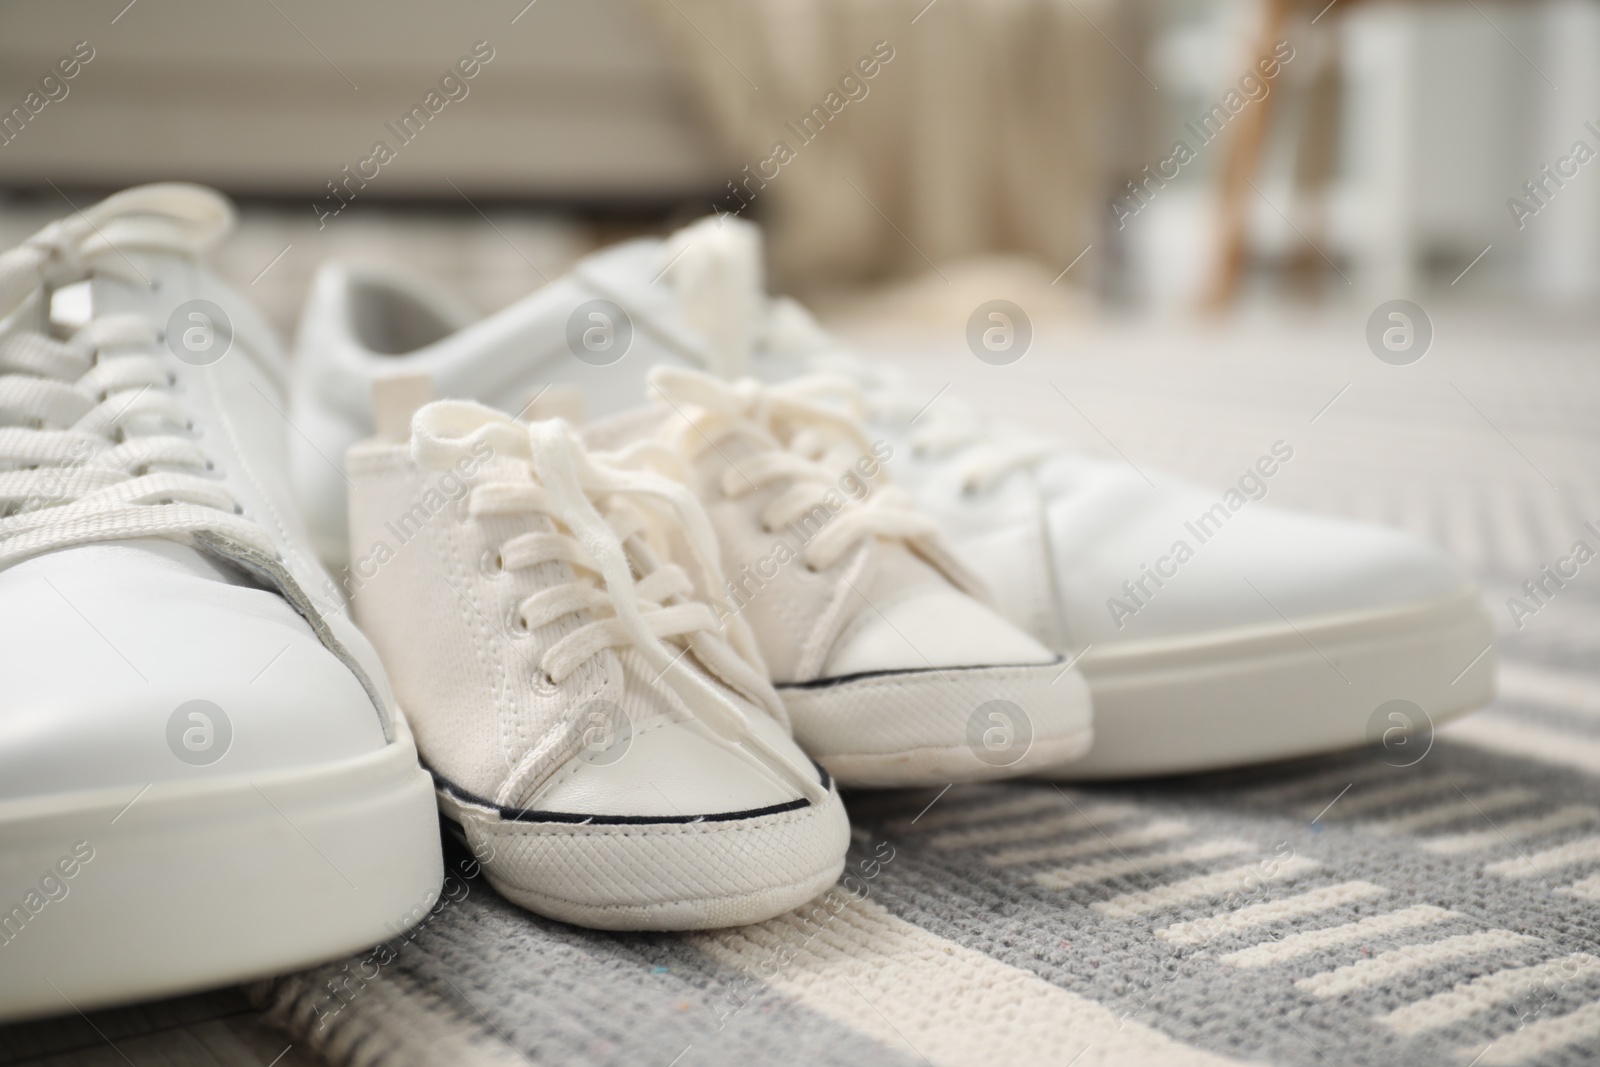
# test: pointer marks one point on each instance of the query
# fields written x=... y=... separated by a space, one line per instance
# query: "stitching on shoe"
x=486 y=649
x=572 y=766
x=835 y=620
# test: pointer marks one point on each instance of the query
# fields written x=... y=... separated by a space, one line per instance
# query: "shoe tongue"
x=715 y=265
x=134 y=289
x=166 y=219
x=158 y=284
x=143 y=286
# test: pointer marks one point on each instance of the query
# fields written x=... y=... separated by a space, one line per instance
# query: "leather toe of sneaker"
x=933 y=626
x=177 y=671
x=936 y=726
x=1141 y=563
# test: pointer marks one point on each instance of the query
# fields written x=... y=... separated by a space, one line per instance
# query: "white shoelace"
x=802 y=444
x=984 y=454
x=717 y=273
x=625 y=611
x=94 y=441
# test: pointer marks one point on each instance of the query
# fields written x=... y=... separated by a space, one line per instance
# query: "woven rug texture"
x=1352 y=909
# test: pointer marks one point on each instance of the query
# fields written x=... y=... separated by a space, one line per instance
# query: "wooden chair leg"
x=1315 y=159
x=1242 y=162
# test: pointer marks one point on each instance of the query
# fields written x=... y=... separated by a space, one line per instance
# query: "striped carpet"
x=1333 y=911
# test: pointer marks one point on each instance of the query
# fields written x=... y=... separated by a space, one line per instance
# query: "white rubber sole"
x=1273 y=693
x=606 y=873
x=938 y=727
x=949 y=766
x=185 y=885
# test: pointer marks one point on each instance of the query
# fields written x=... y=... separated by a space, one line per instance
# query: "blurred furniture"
x=1242 y=163
x=578 y=103
x=987 y=132
x=1379 y=46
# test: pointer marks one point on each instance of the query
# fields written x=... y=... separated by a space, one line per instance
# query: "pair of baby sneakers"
x=639 y=665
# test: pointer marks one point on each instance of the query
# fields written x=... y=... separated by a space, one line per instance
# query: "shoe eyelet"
x=516 y=625
x=492 y=564
x=545 y=685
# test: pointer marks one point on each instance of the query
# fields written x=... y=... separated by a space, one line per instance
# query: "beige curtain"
x=984 y=133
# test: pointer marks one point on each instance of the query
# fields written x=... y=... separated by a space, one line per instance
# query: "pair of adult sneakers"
x=204 y=772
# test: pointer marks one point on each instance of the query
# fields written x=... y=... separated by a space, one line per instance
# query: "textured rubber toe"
x=688 y=872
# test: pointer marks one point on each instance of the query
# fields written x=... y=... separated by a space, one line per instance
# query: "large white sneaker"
x=203 y=777
x=1277 y=635
x=611 y=752
x=893 y=671
x=1214 y=631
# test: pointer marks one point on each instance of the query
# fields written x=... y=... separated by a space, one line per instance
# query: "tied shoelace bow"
x=624 y=611
x=717 y=272
x=945 y=430
x=804 y=445
x=94 y=444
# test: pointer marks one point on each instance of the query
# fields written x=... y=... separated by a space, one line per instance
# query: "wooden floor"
x=215 y=1029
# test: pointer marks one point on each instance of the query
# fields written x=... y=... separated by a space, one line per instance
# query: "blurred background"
x=1378 y=150
x=1201 y=205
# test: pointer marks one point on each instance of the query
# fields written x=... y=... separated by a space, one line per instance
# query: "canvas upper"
x=878 y=639
x=611 y=750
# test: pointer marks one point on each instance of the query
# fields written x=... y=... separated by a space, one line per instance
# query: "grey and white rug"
x=1369 y=907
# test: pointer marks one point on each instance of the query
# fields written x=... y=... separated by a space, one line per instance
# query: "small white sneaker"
x=1214 y=630
x=612 y=753
x=203 y=778
x=894 y=673
x=1202 y=670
